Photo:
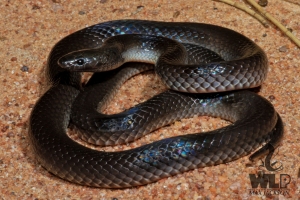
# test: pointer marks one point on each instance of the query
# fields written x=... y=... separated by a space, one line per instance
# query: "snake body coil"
x=243 y=65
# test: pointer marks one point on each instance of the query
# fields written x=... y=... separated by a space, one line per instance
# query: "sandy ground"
x=29 y=29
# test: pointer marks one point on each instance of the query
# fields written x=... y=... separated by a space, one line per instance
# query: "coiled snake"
x=225 y=60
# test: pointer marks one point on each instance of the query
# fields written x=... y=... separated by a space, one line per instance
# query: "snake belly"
x=255 y=121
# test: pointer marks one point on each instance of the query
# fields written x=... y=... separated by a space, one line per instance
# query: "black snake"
x=236 y=64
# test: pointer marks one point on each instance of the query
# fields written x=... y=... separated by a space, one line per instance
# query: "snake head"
x=92 y=60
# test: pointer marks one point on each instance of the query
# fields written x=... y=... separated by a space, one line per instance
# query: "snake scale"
x=235 y=62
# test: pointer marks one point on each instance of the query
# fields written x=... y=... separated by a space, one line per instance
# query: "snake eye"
x=80 y=61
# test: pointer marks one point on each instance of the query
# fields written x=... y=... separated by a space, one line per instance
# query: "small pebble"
x=263 y=3
x=283 y=49
x=81 y=12
x=272 y=98
x=24 y=68
x=35 y=7
x=264 y=35
x=4 y=128
x=25 y=46
x=138 y=9
x=176 y=14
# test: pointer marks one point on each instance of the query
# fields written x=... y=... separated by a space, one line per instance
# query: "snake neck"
x=149 y=49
